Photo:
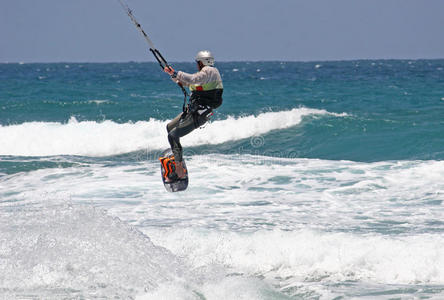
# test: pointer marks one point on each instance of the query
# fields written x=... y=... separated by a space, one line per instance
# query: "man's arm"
x=186 y=78
x=196 y=78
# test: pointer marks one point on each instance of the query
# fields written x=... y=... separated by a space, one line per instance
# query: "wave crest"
x=90 y=138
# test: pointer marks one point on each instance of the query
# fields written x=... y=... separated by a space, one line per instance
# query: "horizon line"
x=218 y=61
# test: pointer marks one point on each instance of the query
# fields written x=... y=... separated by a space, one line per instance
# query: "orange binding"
x=169 y=165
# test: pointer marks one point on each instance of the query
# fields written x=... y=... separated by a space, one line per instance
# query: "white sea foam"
x=246 y=224
x=306 y=255
x=90 y=138
x=46 y=247
x=243 y=192
x=216 y=287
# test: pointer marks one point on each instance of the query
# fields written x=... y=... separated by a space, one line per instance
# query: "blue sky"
x=294 y=30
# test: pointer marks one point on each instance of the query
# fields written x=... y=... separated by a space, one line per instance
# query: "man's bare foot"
x=180 y=170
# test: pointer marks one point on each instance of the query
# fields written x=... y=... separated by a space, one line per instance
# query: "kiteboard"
x=168 y=172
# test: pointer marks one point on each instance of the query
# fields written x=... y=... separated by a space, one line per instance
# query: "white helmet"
x=205 y=57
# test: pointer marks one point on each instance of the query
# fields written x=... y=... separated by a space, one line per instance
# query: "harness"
x=201 y=113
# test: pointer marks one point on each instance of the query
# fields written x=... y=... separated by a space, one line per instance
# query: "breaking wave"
x=91 y=138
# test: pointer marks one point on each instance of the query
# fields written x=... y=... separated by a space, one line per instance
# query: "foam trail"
x=90 y=138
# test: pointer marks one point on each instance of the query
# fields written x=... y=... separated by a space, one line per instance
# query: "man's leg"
x=178 y=128
x=173 y=123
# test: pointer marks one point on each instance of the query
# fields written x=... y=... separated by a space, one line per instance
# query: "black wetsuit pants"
x=182 y=125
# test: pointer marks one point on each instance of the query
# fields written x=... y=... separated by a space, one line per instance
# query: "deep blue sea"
x=313 y=180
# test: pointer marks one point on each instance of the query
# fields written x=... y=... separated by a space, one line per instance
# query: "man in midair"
x=206 y=94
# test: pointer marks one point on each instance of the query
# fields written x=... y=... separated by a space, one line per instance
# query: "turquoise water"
x=395 y=107
x=314 y=180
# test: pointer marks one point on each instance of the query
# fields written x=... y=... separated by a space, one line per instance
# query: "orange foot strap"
x=169 y=166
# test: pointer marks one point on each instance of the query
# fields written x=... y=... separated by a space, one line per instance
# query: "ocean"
x=313 y=180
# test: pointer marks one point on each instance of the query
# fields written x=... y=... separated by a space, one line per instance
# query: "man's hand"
x=170 y=71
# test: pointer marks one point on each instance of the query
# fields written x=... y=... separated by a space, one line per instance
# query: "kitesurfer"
x=206 y=94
